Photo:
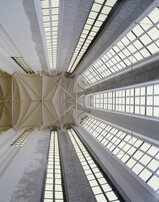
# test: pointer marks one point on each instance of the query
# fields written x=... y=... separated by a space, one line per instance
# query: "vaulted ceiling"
x=38 y=100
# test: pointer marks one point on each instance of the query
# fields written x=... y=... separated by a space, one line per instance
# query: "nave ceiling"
x=40 y=100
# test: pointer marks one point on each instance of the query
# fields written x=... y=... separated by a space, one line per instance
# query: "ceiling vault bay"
x=40 y=100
